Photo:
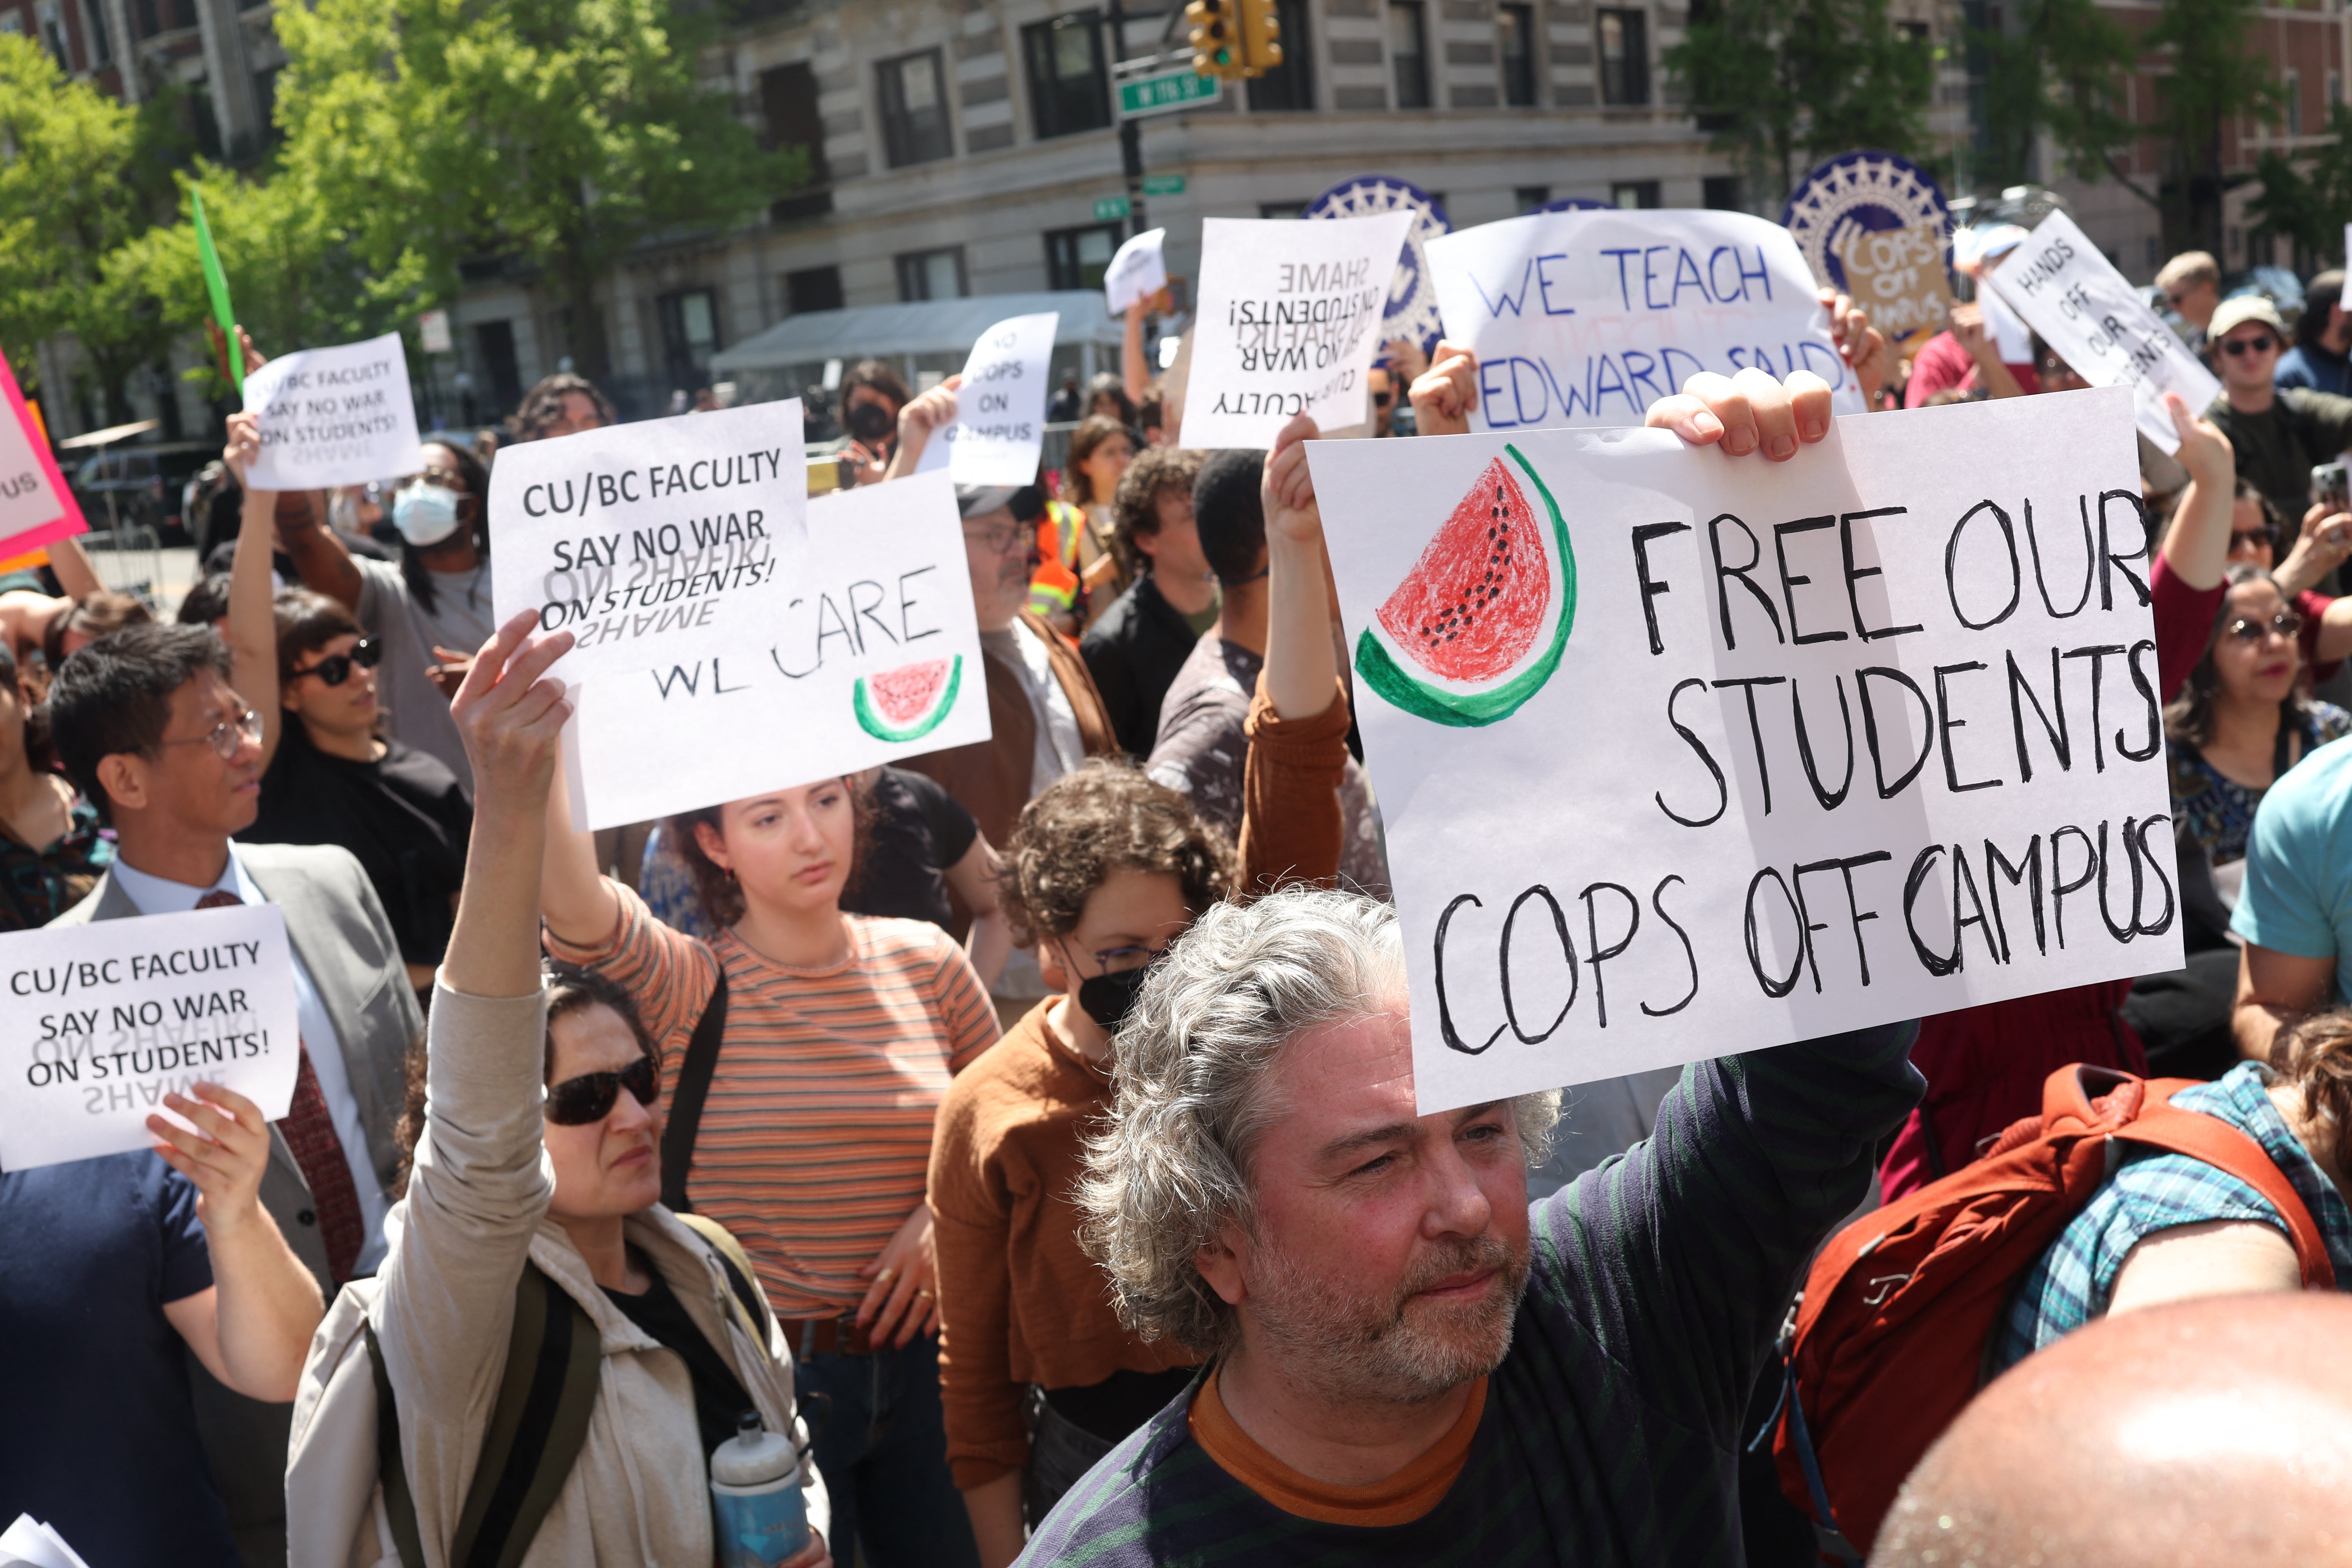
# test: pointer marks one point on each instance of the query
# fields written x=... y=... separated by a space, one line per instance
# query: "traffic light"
x=1261 y=37
x=1216 y=41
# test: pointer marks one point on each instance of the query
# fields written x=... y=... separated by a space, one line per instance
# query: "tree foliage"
x=2063 y=70
x=2309 y=206
x=553 y=136
x=1785 y=83
x=81 y=176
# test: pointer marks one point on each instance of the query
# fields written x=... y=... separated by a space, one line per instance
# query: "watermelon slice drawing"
x=1482 y=620
x=908 y=702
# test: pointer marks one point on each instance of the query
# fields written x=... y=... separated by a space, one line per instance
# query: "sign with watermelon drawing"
x=1682 y=755
x=1585 y=319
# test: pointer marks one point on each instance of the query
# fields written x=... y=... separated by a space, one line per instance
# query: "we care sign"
x=1683 y=755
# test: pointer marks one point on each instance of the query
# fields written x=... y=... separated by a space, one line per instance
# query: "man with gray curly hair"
x=1408 y=1363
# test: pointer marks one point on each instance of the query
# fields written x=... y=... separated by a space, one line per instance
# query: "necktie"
x=309 y=1130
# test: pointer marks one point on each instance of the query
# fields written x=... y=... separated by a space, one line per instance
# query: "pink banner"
x=35 y=507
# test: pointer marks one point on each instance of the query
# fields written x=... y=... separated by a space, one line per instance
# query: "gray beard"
x=1354 y=1349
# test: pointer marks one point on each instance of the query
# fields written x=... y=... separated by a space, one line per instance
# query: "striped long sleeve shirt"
x=817 y=1136
x=1611 y=1432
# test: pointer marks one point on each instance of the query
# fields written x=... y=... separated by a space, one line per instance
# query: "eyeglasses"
x=2249 y=538
x=229 y=736
x=2233 y=347
x=2285 y=624
x=577 y=1102
x=1382 y=399
x=997 y=539
x=336 y=668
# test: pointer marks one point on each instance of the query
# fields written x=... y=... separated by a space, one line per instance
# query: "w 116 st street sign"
x=1165 y=91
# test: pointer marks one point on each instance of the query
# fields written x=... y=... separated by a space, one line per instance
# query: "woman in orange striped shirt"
x=842 y=1032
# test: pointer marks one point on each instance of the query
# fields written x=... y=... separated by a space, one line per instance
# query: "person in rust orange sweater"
x=1105 y=871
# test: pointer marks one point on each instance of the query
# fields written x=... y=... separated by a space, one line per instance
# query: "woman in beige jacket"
x=509 y=1170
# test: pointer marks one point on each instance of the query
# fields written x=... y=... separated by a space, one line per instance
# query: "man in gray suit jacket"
x=147 y=724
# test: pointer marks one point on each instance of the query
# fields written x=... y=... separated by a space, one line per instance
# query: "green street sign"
x=1109 y=208
x=1163 y=184
x=1166 y=91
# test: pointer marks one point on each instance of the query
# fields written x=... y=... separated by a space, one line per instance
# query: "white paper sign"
x=1136 y=272
x=1587 y=317
x=1000 y=423
x=1288 y=322
x=31 y=1542
x=654 y=544
x=2012 y=340
x=101 y=1020
x=334 y=416
x=872 y=654
x=1681 y=756
x=2098 y=324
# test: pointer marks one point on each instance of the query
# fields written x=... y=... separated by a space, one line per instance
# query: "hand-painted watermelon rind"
x=881 y=729
x=1383 y=674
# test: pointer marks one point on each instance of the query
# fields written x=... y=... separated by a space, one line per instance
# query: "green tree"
x=2063 y=72
x=293 y=274
x=1782 y=80
x=80 y=176
x=556 y=135
x=2308 y=207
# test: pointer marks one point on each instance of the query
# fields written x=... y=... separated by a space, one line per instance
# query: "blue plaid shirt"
x=2153 y=1191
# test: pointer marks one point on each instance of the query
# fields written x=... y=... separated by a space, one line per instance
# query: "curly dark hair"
x=2313 y=1054
x=716 y=890
x=569 y=989
x=2189 y=716
x=1156 y=471
x=1105 y=816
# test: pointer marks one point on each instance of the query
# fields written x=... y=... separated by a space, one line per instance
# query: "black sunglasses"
x=577 y=1102
x=2285 y=624
x=2233 y=347
x=1381 y=399
x=367 y=653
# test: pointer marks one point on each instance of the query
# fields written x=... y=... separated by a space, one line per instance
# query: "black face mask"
x=1107 y=998
x=868 y=421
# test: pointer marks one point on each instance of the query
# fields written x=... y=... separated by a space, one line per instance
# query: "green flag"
x=217 y=285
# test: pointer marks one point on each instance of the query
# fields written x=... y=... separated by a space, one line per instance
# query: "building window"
x=914 y=102
x=690 y=323
x=933 y=274
x=1409 y=54
x=2291 y=104
x=1624 y=56
x=52 y=24
x=493 y=346
x=265 y=104
x=1721 y=193
x=101 y=53
x=1282 y=209
x=789 y=118
x=1070 y=85
x=1289 y=86
x=813 y=288
x=2335 y=90
x=1076 y=258
x=1518 y=26
x=1634 y=194
x=1525 y=199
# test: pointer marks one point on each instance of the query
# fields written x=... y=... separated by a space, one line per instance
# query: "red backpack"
x=1888 y=1341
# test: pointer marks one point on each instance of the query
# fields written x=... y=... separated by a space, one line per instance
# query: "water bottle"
x=761 y=1516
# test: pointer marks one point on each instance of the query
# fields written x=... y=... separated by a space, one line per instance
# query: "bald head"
x=2212 y=1431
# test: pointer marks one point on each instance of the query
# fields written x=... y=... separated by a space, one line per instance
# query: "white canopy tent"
x=929 y=336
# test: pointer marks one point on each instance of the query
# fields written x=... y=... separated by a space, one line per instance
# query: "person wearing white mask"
x=429 y=608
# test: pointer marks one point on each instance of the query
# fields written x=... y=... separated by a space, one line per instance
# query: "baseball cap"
x=1024 y=501
x=2237 y=312
x=1972 y=247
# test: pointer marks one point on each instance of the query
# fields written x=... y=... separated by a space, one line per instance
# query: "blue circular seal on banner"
x=1412 y=300
x=1870 y=191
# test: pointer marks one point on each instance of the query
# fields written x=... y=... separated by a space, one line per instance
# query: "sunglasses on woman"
x=577 y=1102
x=367 y=653
x=2233 y=347
x=2286 y=624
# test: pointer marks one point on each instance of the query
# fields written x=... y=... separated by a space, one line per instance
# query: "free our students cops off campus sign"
x=1864 y=736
